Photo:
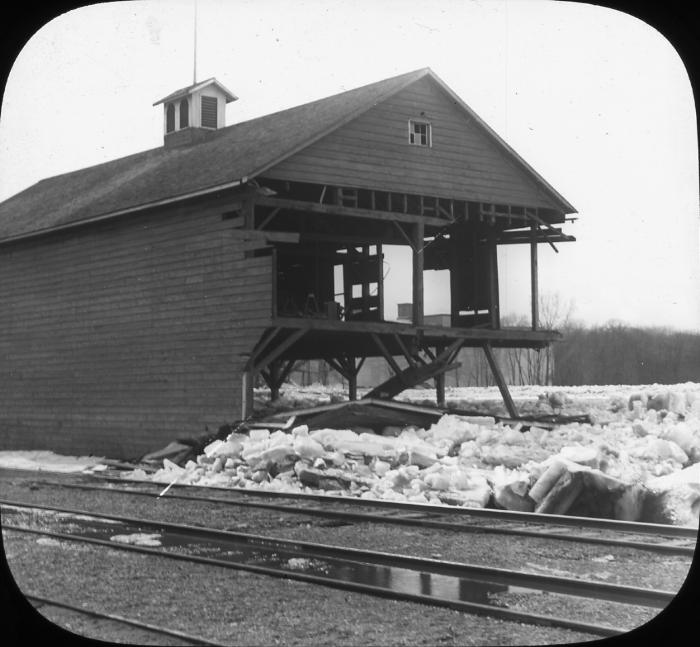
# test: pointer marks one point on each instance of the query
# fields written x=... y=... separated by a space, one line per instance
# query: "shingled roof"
x=231 y=156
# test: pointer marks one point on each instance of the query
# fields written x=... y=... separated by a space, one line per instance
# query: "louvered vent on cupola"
x=192 y=113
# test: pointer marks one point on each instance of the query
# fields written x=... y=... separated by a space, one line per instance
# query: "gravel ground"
x=248 y=609
x=244 y=608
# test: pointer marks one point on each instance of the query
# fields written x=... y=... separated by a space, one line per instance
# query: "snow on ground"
x=45 y=461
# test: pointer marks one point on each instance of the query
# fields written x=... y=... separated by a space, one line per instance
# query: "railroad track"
x=673 y=540
x=41 y=602
x=466 y=587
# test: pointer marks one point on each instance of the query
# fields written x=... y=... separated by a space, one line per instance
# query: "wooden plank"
x=354 y=212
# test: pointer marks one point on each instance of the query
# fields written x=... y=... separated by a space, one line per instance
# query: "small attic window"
x=419 y=133
x=170 y=118
x=184 y=113
x=209 y=116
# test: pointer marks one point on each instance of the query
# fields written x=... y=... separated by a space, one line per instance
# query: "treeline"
x=621 y=354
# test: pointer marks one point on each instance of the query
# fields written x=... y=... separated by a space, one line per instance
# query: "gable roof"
x=231 y=156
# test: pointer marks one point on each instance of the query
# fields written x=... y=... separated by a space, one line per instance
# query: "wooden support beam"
x=337 y=366
x=418 y=264
x=493 y=280
x=429 y=353
x=275 y=376
x=409 y=358
x=355 y=212
x=277 y=351
x=268 y=218
x=407 y=238
x=440 y=382
x=267 y=337
x=354 y=369
x=449 y=353
x=274 y=383
x=264 y=235
x=269 y=380
x=288 y=368
x=534 y=290
x=247 y=393
x=387 y=356
x=248 y=212
x=545 y=224
x=500 y=381
x=523 y=238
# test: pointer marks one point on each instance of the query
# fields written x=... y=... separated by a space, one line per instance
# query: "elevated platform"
x=429 y=351
x=320 y=338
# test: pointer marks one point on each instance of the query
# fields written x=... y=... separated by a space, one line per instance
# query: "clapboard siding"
x=119 y=337
x=372 y=152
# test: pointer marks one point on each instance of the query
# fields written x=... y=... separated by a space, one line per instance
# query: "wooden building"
x=141 y=297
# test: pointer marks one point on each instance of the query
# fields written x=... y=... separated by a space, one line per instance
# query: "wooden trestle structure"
x=315 y=231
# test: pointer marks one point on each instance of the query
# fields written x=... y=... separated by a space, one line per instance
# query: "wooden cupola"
x=190 y=114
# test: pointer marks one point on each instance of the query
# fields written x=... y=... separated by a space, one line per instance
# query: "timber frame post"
x=440 y=381
x=493 y=279
x=348 y=367
x=264 y=360
x=418 y=265
x=533 y=277
x=275 y=375
x=500 y=381
x=247 y=394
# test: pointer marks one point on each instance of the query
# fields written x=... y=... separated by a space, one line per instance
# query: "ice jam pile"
x=639 y=461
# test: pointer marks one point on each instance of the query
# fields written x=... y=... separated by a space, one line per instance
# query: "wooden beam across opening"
x=353 y=212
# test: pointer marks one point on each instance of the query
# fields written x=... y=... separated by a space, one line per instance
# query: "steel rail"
x=457 y=605
x=635 y=527
x=196 y=640
x=568 y=586
x=404 y=521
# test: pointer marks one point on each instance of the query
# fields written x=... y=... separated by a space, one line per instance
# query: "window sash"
x=419 y=133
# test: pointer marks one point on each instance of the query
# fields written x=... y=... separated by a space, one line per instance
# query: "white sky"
x=598 y=102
